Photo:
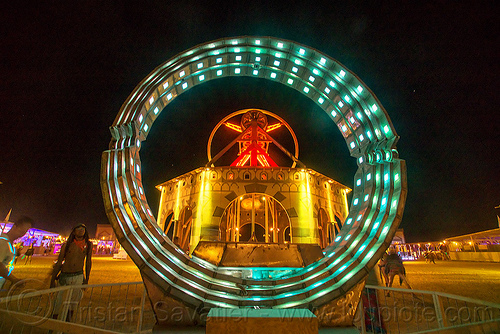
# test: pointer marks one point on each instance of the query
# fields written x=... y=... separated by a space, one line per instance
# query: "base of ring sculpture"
x=341 y=311
x=262 y=321
x=171 y=313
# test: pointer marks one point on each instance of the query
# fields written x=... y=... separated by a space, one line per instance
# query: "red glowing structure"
x=254 y=140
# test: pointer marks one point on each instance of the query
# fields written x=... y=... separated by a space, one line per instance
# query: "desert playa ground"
x=478 y=280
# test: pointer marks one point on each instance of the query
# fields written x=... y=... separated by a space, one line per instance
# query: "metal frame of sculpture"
x=379 y=183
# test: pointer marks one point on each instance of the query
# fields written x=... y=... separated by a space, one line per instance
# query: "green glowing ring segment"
x=379 y=184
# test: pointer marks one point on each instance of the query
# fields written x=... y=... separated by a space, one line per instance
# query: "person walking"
x=76 y=253
x=430 y=257
x=29 y=254
x=392 y=266
x=18 y=248
x=7 y=251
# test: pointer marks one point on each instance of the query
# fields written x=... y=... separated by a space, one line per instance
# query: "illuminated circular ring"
x=379 y=184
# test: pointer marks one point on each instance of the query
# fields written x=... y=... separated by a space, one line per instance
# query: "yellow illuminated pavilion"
x=253 y=200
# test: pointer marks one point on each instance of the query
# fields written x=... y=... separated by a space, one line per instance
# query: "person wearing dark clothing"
x=29 y=253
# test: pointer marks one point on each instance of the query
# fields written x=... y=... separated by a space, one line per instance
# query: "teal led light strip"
x=378 y=196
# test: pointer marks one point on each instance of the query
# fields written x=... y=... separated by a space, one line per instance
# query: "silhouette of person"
x=29 y=254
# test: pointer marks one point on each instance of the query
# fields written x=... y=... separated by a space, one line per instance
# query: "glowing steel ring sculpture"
x=379 y=183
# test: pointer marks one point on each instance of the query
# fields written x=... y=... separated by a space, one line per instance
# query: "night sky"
x=66 y=68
